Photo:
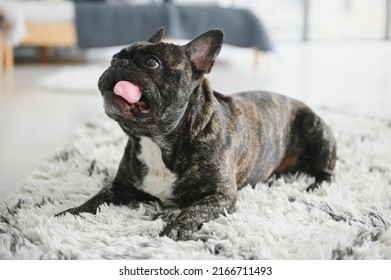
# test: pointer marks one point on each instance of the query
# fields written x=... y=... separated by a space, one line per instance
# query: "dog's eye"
x=152 y=63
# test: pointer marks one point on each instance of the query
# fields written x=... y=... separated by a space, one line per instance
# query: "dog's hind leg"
x=320 y=148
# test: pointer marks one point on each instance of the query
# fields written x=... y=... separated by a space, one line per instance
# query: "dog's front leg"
x=117 y=192
x=192 y=217
x=106 y=195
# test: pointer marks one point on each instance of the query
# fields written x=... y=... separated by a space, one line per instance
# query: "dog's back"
x=283 y=131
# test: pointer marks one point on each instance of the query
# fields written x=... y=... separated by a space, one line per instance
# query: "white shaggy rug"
x=348 y=219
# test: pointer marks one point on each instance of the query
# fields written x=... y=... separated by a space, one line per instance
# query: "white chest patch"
x=159 y=179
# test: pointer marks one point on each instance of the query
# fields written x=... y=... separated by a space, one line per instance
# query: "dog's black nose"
x=121 y=63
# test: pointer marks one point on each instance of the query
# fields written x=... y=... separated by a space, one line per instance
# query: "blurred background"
x=334 y=54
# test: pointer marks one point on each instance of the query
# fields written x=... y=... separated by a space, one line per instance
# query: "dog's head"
x=156 y=81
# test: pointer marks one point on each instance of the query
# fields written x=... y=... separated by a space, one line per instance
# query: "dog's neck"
x=199 y=113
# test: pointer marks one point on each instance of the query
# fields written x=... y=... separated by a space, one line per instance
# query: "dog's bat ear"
x=204 y=49
x=157 y=36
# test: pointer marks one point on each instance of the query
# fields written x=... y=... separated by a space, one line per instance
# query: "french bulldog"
x=193 y=148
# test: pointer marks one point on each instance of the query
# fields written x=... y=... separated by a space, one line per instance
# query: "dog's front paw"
x=313 y=187
x=178 y=232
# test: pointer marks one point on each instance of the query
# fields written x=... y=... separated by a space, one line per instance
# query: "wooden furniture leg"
x=1 y=53
x=6 y=55
x=9 y=57
x=257 y=54
x=43 y=54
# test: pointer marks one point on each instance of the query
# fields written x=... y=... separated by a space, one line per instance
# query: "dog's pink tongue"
x=130 y=92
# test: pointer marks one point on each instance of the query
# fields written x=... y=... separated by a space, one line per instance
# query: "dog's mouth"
x=132 y=97
x=141 y=106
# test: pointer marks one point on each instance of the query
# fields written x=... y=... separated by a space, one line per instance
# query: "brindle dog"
x=195 y=148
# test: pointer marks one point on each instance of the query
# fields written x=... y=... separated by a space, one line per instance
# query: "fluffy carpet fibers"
x=347 y=219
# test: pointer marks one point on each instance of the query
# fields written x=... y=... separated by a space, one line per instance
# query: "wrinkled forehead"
x=167 y=52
